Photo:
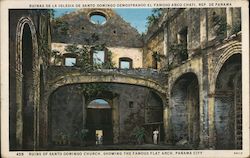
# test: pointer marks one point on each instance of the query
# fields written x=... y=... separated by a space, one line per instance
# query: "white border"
x=4 y=56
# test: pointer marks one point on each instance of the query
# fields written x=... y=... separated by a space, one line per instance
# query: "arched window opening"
x=183 y=43
x=70 y=59
x=98 y=57
x=125 y=63
x=98 y=18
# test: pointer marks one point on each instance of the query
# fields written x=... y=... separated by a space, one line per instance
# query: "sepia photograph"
x=125 y=80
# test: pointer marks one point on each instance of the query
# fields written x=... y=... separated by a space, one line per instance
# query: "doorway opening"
x=99 y=122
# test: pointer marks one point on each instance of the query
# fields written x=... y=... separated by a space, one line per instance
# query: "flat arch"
x=78 y=78
x=185 y=109
x=26 y=23
x=103 y=78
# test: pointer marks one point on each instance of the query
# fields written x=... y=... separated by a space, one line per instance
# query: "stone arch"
x=69 y=98
x=154 y=116
x=185 y=109
x=73 y=78
x=228 y=104
x=78 y=78
x=26 y=26
x=227 y=53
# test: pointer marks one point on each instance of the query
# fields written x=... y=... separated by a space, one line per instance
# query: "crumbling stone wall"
x=210 y=42
x=185 y=109
x=114 y=33
x=226 y=104
x=66 y=114
x=66 y=110
x=117 y=35
x=117 y=52
x=154 y=45
x=37 y=23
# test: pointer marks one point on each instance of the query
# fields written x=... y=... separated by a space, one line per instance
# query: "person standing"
x=155 y=136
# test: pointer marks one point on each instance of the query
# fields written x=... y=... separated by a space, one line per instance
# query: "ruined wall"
x=153 y=45
x=133 y=53
x=66 y=114
x=66 y=110
x=213 y=15
x=227 y=103
x=114 y=33
x=117 y=52
x=211 y=36
x=37 y=22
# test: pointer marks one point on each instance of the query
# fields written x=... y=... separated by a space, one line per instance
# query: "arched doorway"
x=185 y=116
x=99 y=122
x=154 y=117
x=228 y=105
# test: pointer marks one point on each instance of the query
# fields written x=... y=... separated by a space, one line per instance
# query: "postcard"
x=124 y=78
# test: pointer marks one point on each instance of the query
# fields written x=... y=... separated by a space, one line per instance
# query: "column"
x=166 y=124
x=116 y=120
x=212 y=135
x=19 y=117
x=84 y=112
x=165 y=44
x=229 y=12
x=203 y=28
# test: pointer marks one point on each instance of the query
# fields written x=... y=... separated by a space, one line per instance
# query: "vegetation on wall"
x=179 y=51
x=92 y=89
x=138 y=134
x=84 y=53
x=220 y=26
x=79 y=137
x=61 y=26
x=85 y=63
x=52 y=13
x=154 y=17
x=236 y=28
x=158 y=57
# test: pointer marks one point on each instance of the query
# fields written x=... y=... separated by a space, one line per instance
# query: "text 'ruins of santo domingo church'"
x=76 y=82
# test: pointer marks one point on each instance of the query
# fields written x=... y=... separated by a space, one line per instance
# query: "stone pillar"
x=166 y=45
x=36 y=101
x=43 y=119
x=203 y=103
x=204 y=80
x=212 y=135
x=166 y=124
x=116 y=120
x=19 y=118
x=229 y=12
x=203 y=28
x=165 y=42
